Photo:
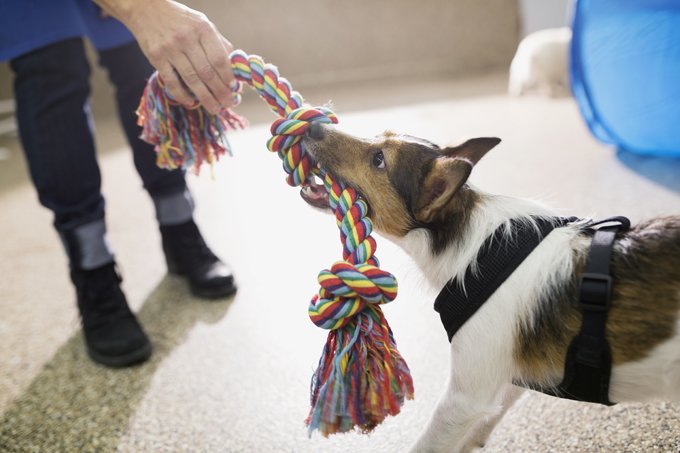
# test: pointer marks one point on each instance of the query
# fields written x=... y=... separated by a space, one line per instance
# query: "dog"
x=419 y=197
x=541 y=64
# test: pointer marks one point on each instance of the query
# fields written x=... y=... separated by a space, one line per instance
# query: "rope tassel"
x=361 y=377
x=182 y=137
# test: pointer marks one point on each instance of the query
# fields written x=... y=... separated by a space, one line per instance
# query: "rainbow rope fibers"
x=361 y=377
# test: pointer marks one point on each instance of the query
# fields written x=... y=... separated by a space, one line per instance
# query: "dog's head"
x=407 y=182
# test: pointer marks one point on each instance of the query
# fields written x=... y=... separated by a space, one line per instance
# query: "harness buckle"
x=595 y=291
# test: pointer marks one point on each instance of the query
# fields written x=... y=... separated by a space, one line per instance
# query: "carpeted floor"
x=233 y=375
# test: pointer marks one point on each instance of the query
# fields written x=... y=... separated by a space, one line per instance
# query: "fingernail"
x=235 y=85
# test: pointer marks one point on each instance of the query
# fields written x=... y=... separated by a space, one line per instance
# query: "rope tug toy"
x=361 y=377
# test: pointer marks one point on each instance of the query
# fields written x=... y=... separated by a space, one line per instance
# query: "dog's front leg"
x=452 y=426
x=509 y=394
x=474 y=396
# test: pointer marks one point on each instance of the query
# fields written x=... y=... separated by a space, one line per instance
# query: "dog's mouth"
x=314 y=193
x=313 y=190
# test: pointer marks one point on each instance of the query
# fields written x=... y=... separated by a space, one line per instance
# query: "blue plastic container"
x=625 y=72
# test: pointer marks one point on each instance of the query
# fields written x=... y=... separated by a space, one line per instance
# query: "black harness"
x=588 y=361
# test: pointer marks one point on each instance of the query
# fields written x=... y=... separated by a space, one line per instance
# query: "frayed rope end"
x=183 y=137
x=361 y=378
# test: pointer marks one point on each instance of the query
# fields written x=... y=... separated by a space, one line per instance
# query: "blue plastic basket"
x=625 y=72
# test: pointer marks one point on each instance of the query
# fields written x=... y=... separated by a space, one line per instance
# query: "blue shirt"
x=26 y=25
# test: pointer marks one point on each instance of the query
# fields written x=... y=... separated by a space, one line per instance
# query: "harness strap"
x=588 y=363
x=496 y=261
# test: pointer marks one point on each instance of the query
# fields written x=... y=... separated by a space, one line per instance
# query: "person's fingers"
x=174 y=85
x=207 y=71
x=227 y=44
x=235 y=86
x=193 y=80
x=217 y=50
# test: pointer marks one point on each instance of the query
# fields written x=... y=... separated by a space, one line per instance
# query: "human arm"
x=183 y=45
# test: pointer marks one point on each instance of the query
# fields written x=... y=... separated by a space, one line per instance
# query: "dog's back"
x=644 y=317
x=643 y=327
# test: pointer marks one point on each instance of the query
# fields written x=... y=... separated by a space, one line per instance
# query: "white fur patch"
x=491 y=212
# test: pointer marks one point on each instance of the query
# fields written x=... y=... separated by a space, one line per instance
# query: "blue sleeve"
x=26 y=25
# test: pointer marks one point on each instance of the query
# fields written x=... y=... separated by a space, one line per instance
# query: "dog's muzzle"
x=315 y=131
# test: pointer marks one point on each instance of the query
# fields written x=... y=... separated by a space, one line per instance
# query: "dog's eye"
x=378 y=160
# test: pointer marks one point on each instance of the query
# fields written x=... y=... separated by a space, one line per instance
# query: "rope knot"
x=287 y=136
x=345 y=291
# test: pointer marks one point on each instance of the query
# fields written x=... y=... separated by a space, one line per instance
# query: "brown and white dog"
x=420 y=199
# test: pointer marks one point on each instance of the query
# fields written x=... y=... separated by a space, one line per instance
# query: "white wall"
x=539 y=14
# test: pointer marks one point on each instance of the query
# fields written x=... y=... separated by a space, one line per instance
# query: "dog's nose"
x=315 y=131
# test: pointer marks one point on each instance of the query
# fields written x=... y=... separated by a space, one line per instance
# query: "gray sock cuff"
x=174 y=209
x=88 y=246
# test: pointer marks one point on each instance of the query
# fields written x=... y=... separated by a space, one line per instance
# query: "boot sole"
x=205 y=293
x=213 y=293
x=120 y=361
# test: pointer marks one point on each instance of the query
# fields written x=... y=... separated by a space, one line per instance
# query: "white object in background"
x=541 y=64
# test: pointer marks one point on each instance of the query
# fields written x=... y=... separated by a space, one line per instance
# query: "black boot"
x=112 y=334
x=186 y=253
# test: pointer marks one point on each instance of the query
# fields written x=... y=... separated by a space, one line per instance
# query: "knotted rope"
x=361 y=377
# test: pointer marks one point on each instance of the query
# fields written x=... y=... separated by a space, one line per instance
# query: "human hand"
x=188 y=51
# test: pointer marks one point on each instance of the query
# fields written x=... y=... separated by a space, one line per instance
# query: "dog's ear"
x=440 y=184
x=448 y=173
x=473 y=149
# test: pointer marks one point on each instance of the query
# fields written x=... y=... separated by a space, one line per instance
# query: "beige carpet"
x=233 y=376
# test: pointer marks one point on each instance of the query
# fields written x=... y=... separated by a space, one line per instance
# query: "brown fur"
x=348 y=158
x=644 y=309
x=418 y=184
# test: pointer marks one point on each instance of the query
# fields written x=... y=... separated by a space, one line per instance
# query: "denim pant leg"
x=55 y=126
x=128 y=70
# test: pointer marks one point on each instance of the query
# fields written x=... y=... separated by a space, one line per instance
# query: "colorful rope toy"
x=361 y=377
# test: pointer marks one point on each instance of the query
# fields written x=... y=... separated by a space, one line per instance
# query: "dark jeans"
x=55 y=125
